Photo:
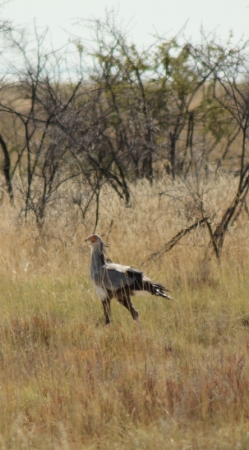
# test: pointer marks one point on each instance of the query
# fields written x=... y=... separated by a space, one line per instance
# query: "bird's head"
x=95 y=241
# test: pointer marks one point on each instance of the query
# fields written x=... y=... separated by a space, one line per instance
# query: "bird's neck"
x=97 y=258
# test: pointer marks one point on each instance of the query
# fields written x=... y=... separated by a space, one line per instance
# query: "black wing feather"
x=141 y=282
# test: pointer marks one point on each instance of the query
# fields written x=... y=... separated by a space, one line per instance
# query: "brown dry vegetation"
x=69 y=382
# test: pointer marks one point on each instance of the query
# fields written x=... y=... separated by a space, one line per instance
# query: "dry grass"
x=69 y=382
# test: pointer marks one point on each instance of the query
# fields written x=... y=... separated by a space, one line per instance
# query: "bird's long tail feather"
x=159 y=293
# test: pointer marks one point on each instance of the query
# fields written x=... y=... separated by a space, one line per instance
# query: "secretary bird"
x=114 y=280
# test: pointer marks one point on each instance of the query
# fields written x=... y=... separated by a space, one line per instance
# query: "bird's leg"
x=126 y=301
x=107 y=310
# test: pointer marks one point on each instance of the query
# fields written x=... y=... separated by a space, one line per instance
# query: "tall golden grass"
x=69 y=382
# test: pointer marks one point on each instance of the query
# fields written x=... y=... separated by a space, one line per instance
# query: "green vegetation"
x=117 y=115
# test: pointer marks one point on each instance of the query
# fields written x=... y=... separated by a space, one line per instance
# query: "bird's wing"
x=115 y=276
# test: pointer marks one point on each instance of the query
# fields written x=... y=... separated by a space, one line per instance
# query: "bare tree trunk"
x=173 y=154
x=147 y=168
x=6 y=169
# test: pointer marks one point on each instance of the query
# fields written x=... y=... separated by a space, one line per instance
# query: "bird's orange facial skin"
x=92 y=238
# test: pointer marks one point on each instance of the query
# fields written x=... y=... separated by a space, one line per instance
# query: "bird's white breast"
x=101 y=292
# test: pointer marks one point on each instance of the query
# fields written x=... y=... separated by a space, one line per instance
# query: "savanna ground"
x=69 y=382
